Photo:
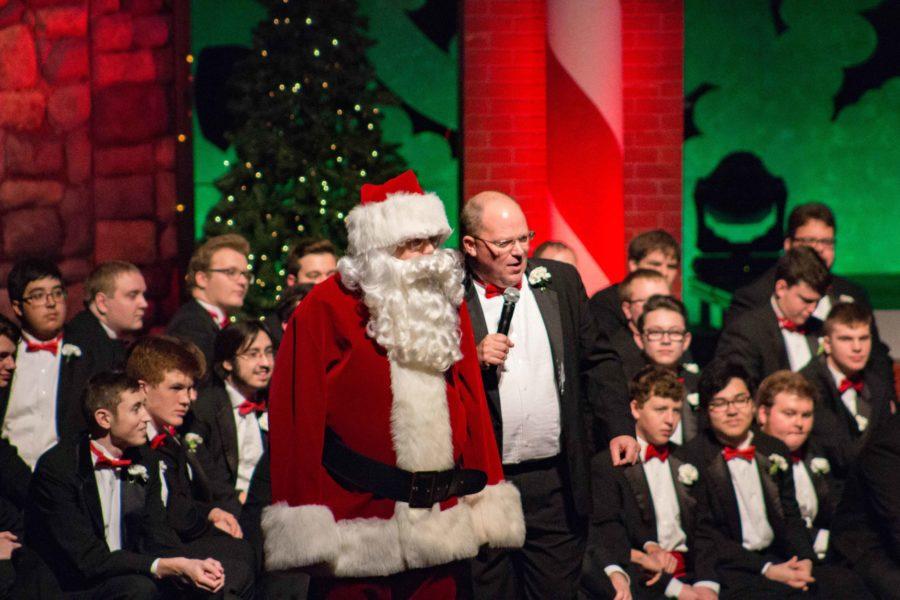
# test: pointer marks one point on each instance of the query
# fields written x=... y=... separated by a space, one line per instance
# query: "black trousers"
x=549 y=564
x=237 y=558
x=832 y=583
x=121 y=587
x=25 y=575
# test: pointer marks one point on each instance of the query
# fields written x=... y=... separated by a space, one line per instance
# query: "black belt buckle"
x=428 y=487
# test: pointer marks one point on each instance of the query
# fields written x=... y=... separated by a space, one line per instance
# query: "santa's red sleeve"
x=497 y=509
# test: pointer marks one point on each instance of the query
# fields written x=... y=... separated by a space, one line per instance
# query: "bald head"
x=487 y=206
x=495 y=238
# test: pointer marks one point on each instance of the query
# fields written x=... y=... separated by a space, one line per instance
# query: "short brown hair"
x=202 y=256
x=654 y=380
x=150 y=358
x=783 y=382
x=551 y=245
x=103 y=278
x=306 y=247
x=104 y=390
x=847 y=313
x=803 y=264
x=811 y=211
x=625 y=286
x=651 y=241
x=660 y=302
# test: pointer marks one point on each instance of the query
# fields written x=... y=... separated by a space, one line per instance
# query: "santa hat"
x=394 y=212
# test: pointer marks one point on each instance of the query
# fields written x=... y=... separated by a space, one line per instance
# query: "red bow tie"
x=654 y=451
x=222 y=323
x=160 y=438
x=52 y=346
x=105 y=462
x=797 y=456
x=847 y=383
x=746 y=453
x=491 y=290
x=246 y=407
x=789 y=325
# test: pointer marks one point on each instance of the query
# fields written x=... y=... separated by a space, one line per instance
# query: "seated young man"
x=779 y=335
x=853 y=398
x=663 y=337
x=786 y=402
x=95 y=513
x=643 y=517
x=751 y=538
x=635 y=290
x=167 y=369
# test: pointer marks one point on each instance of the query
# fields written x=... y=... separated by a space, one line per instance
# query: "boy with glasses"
x=218 y=278
x=635 y=290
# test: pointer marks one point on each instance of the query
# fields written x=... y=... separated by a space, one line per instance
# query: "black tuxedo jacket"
x=99 y=352
x=606 y=307
x=719 y=532
x=825 y=485
x=755 y=341
x=835 y=429
x=193 y=323
x=589 y=379
x=623 y=516
x=64 y=520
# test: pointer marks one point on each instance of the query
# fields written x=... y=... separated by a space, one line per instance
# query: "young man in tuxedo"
x=751 y=538
x=780 y=334
x=166 y=369
x=218 y=279
x=95 y=513
x=642 y=523
x=40 y=407
x=655 y=250
x=853 y=397
x=786 y=402
x=534 y=380
x=635 y=290
x=663 y=338
x=115 y=308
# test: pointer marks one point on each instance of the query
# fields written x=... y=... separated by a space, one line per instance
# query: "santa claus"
x=385 y=470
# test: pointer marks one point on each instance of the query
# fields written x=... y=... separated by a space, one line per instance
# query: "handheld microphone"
x=510 y=297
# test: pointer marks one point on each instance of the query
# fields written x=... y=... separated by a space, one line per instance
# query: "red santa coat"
x=330 y=373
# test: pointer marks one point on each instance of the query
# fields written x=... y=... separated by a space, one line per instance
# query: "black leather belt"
x=421 y=489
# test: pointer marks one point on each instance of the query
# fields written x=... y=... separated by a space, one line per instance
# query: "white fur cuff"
x=497 y=515
x=298 y=536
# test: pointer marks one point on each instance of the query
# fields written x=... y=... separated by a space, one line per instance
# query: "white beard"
x=413 y=304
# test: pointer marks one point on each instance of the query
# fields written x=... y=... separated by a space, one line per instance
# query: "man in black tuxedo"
x=635 y=290
x=166 y=369
x=535 y=384
x=95 y=513
x=218 y=279
x=116 y=306
x=866 y=528
x=785 y=407
x=655 y=250
x=751 y=538
x=853 y=397
x=779 y=334
x=642 y=523
x=813 y=225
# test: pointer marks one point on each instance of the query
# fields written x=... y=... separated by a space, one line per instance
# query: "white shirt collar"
x=835 y=374
x=234 y=396
x=220 y=314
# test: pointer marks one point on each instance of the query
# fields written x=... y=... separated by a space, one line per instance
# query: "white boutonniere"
x=862 y=422
x=693 y=400
x=820 y=466
x=691 y=367
x=688 y=474
x=264 y=421
x=138 y=473
x=779 y=463
x=821 y=349
x=539 y=278
x=193 y=441
x=846 y=298
x=70 y=351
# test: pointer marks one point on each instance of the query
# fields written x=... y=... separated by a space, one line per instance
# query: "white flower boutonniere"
x=539 y=278
x=138 y=473
x=846 y=298
x=264 y=421
x=688 y=474
x=862 y=422
x=70 y=351
x=691 y=367
x=820 y=466
x=821 y=349
x=193 y=441
x=779 y=463
x=693 y=400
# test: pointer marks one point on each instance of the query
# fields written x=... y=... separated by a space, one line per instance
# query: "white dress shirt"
x=850 y=398
x=805 y=492
x=30 y=422
x=109 y=488
x=529 y=404
x=250 y=443
x=755 y=528
x=163 y=486
x=218 y=314
x=796 y=344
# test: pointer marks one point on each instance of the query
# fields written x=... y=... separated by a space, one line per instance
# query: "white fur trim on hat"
x=401 y=217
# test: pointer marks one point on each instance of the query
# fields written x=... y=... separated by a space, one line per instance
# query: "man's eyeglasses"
x=257 y=354
x=507 y=245
x=721 y=404
x=655 y=335
x=235 y=274
x=810 y=241
x=42 y=297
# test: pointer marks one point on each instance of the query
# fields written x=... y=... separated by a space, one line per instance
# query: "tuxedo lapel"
x=720 y=479
x=686 y=503
x=769 y=488
x=480 y=330
x=548 y=303
x=637 y=481
x=134 y=497
x=776 y=340
x=227 y=430
x=476 y=315
x=88 y=488
x=199 y=480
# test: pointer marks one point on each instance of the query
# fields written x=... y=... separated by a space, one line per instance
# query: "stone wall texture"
x=87 y=138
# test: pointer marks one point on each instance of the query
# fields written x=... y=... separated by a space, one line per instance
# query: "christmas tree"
x=307 y=136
